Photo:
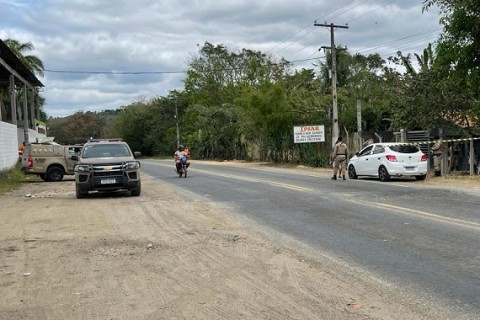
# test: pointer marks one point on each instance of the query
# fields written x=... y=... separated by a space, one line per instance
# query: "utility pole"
x=177 y=124
x=335 y=130
x=359 y=123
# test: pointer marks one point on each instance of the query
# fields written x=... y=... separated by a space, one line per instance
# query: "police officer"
x=437 y=155
x=340 y=156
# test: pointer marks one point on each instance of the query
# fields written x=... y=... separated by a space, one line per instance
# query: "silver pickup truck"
x=107 y=165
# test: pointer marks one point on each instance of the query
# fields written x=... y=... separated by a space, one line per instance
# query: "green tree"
x=459 y=44
x=218 y=80
x=149 y=125
x=436 y=102
x=77 y=128
x=267 y=121
x=359 y=77
x=425 y=61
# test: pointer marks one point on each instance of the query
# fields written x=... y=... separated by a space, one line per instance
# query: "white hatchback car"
x=384 y=160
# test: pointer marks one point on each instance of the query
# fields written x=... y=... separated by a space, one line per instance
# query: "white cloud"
x=161 y=36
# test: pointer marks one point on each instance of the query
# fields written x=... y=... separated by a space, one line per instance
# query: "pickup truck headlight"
x=82 y=168
x=131 y=165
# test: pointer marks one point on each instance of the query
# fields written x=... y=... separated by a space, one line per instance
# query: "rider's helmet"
x=181 y=148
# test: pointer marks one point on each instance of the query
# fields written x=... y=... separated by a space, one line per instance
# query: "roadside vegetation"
x=11 y=179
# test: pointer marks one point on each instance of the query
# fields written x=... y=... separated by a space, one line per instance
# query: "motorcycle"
x=183 y=167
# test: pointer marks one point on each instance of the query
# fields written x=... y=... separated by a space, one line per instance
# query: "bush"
x=11 y=179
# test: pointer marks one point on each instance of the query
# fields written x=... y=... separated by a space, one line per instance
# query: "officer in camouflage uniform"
x=340 y=156
x=437 y=155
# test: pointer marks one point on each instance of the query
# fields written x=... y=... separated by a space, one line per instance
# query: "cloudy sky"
x=103 y=54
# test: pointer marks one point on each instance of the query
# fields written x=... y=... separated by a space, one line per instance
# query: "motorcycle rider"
x=178 y=154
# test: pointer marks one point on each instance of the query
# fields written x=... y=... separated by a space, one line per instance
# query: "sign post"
x=306 y=134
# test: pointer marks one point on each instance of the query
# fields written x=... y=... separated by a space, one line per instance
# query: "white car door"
x=362 y=165
x=376 y=159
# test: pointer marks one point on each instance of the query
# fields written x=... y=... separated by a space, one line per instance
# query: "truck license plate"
x=107 y=181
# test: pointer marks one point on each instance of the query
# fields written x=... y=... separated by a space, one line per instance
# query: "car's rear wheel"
x=352 y=174
x=420 y=178
x=43 y=176
x=383 y=174
x=54 y=174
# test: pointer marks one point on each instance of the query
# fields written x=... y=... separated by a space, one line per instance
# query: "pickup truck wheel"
x=79 y=193
x=54 y=174
x=43 y=176
x=136 y=192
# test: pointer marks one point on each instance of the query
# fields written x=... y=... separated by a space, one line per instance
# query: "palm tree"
x=425 y=61
x=33 y=63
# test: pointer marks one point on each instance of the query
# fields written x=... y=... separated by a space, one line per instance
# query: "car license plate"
x=409 y=168
x=107 y=181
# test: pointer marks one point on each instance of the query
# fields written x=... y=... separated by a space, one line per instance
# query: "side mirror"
x=74 y=158
x=137 y=154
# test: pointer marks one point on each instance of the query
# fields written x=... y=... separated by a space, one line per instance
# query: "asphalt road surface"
x=407 y=234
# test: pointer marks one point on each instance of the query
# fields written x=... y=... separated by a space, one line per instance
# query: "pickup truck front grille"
x=107 y=171
x=107 y=167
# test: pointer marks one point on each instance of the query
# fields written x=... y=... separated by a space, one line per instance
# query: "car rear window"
x=404 y=148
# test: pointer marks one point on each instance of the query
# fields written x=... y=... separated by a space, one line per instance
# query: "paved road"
x=408 y=235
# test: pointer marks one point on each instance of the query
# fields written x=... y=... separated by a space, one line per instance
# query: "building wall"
x=11 y=138
x=8 y=145
x=33 y=136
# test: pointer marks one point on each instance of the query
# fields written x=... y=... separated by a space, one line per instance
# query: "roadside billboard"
x=305 y=134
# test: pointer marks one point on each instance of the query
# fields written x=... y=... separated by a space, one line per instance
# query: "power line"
x=114 y=72
x=326 y=15
x=309 y=24
x=412 y=36
x=338 y=15
x=372 y=11
x=309 y=59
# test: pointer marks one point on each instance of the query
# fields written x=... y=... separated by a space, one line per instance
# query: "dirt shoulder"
x=161 y=256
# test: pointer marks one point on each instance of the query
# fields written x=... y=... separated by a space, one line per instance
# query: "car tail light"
x=391 y=158
x=30 y=162
x=424 y=157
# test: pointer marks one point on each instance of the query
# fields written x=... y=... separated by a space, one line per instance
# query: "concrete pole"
x=335 y=129
x=32 y=110
x=359 y=123
x=25 y=115
x=13 y=100
x=177 y=124
x=471 y=159
x=335 y=132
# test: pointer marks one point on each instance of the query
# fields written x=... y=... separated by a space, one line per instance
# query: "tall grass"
x=11 y=179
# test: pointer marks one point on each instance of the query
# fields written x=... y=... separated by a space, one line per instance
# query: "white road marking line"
x=428 y=215
x=272 y=183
